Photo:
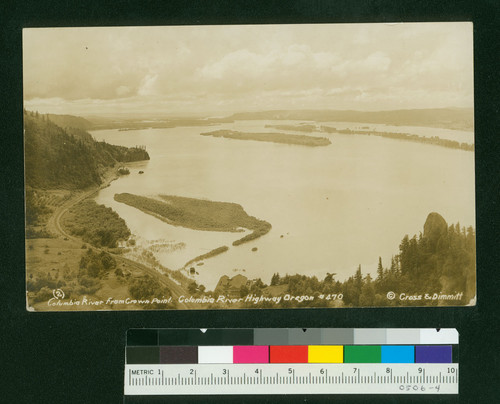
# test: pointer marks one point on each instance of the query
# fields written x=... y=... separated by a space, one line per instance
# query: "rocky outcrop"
x=435 y=227
x=231 y=286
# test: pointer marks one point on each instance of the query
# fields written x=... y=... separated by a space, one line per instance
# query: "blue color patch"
x=434 y=354
x=398 y=354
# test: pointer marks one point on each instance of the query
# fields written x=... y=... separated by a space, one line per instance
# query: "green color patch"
x=362 y=354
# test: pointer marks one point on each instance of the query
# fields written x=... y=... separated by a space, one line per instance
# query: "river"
x=331 y=208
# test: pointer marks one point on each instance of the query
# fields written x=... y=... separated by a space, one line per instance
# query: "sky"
x=218 y=70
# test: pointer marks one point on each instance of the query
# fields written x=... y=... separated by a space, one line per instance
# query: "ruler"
x=291 y=361
x=291 y=379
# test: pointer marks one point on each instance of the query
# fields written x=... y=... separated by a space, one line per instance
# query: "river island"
x=199 y=214
x=300 y=140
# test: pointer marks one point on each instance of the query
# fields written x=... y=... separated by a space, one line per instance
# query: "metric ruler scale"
x=291 y=379
x=291 y=361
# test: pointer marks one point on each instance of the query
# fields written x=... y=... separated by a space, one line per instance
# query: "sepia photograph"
x=249 y=166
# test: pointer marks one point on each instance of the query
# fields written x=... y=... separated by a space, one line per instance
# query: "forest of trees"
x=148 y=288
x=96 y=224
x=96 y=264
x=440 y=261
x=36 y=213
x=67 y=158
x=54 y=158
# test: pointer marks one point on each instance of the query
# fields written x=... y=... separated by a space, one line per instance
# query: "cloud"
x=242 y=62
x=148 y=85
x=122 y=91
x=345 y=66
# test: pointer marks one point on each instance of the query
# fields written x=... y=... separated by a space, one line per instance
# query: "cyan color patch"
x=398 y=354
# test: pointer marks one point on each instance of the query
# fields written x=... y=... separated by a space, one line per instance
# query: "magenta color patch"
x=251 y=354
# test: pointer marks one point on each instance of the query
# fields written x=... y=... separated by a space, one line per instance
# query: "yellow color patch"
x=326 y=354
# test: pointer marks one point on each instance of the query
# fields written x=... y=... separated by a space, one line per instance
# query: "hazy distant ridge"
x=71 y=121
x=451 y=118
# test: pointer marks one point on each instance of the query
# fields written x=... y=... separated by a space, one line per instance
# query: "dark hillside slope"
x=68 y=159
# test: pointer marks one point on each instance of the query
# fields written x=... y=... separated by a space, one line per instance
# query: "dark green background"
x=78 y=357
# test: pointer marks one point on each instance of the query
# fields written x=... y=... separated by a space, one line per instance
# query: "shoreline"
x=182 y=208
x=61 y=242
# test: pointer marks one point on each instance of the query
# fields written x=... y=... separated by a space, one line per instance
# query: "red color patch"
x=288 y=354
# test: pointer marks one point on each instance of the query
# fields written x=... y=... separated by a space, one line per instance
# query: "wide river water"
x=331 y=208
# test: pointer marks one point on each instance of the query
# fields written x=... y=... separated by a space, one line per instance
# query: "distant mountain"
x=451 y=118
x=67 y=159
x=71 y=121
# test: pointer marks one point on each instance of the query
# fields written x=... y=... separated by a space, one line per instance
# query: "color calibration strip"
x=292 y=336
x=307 y=361
x=242 y=354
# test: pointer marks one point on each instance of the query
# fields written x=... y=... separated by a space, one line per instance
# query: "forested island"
x=284 y=138
x=434 y=140
x=210 y=254
x=198 y=214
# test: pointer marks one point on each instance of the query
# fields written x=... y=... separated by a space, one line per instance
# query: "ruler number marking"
x=404 y=378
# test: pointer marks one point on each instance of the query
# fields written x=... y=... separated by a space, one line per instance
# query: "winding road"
x=54 y=226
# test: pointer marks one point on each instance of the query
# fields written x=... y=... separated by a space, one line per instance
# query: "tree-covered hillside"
x=67 y=158
x=437 y=267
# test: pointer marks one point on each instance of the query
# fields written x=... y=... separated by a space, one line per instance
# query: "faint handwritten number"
x=58 y=293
